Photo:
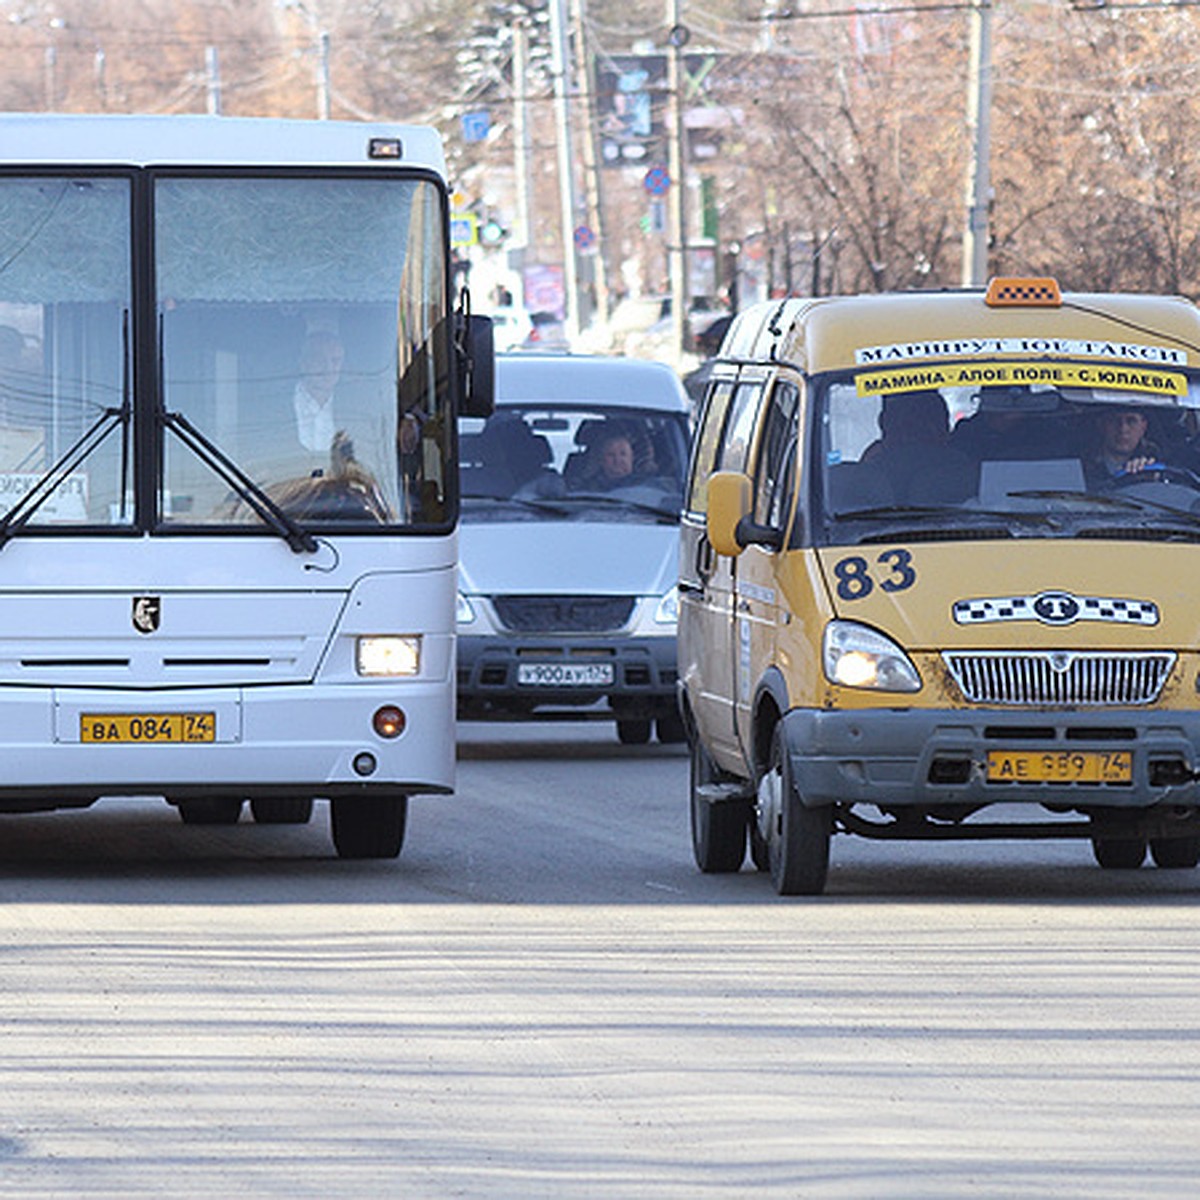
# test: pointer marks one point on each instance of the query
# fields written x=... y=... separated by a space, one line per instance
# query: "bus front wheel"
x=368 y=826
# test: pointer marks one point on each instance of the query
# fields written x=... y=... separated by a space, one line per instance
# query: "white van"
x=571 y=494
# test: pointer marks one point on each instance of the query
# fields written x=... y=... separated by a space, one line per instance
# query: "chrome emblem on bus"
x=147 y=613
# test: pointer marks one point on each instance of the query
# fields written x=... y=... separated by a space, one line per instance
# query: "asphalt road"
x=543 y=998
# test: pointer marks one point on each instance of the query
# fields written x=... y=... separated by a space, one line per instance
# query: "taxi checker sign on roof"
x=1065 y=347
x=1004 y=374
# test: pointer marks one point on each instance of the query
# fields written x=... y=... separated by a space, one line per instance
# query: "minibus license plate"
x=552 y=675
x=146 y=728
x=1059 y=766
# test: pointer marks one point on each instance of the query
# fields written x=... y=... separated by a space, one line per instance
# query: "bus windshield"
x=299 y=365
x=284 y=346
x=1105 y=451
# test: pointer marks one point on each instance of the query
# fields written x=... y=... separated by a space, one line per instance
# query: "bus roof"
x=197 y=140
x=891 y=329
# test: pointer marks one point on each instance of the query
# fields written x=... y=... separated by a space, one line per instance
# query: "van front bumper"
x=640 y=674
x=896 y=758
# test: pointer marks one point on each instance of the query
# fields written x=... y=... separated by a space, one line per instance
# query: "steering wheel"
x=1154 y=472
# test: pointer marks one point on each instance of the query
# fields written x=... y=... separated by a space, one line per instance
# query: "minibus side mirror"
x=731 y=527
x=728 y=503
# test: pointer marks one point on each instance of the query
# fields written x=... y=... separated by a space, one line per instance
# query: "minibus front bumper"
x=895 y=758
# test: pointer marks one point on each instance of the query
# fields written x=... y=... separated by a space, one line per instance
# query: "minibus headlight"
x=388 y=655
x=860 y=657
x=464 y=611
x=667 y=612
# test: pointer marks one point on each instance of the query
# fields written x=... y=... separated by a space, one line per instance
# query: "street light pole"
x=560 y=65
x=677 y=232
x=979 y=127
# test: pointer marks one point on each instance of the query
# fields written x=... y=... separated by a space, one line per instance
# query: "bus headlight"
x=388 y=655
x=860 y=657
x=667 y=612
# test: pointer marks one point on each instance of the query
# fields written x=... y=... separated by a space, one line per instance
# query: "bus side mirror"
x=479 y=370
x=728 y=503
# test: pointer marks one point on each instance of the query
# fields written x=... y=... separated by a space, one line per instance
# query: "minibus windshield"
x=1068 y=449
x=538 y=460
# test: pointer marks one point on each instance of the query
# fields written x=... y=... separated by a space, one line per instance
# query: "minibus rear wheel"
x=282 y=810
x=1119 y=854
x=210 y=810
x=718 y=830
x=797 y=836
x=1182 y=852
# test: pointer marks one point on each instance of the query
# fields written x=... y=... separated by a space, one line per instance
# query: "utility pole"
x=323 y=75
x=560 y=65
x=212 y=72
x=677 y=230
x=522 y=144
x=979 y=130
x=591 y=158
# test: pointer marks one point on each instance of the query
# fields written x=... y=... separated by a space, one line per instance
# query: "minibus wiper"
x=292 y=532
x=1129 y=503
x=534 y=502
x=620 y=502
x=21 y=512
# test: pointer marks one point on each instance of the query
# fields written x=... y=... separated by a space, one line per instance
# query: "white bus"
x=230 y=366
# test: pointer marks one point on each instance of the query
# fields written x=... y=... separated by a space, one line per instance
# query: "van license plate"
x=552 y=675
x=1060 y=766
x=147 y=728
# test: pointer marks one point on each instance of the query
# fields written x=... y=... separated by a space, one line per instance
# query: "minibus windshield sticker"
x=1022 y=374
x=1059 y=347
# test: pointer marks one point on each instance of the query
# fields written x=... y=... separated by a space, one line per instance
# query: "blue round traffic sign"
x=657 y=181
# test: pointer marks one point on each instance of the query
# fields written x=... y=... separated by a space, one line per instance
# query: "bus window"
x=64 y=309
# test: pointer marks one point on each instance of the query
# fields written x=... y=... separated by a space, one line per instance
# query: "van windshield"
x=1060 y=450
x=595 y=463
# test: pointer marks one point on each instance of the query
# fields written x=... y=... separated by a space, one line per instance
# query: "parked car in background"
x=511 y=326
x=569 y=547
x=547 y=333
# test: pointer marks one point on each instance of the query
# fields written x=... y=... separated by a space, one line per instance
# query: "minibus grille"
x=1059 y=677
x=563 y=614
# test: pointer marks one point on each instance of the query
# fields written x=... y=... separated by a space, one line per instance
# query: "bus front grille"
x=1059 y=677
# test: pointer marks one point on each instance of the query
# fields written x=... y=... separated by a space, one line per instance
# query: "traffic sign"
x=657 y=181
x=464 y=229
x=585 y=239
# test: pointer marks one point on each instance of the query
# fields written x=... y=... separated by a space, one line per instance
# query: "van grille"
x=1059 y=677
x=563 y=614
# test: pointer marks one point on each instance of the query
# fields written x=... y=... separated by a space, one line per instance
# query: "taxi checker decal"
x=1055 y=608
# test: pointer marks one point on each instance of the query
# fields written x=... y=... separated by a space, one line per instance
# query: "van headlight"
x=464 y=611
x=861 y=657
x=388 y=655
x=667 y=612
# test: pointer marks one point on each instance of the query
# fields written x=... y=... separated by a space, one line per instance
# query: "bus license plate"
x=552 y=675
x=147 y=728
x=1060 y=766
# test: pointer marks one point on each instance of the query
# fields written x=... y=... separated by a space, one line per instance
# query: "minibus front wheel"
x=797 y=837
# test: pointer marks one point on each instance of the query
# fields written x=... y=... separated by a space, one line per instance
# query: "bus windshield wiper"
x=21 y=512
x=271 y=514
